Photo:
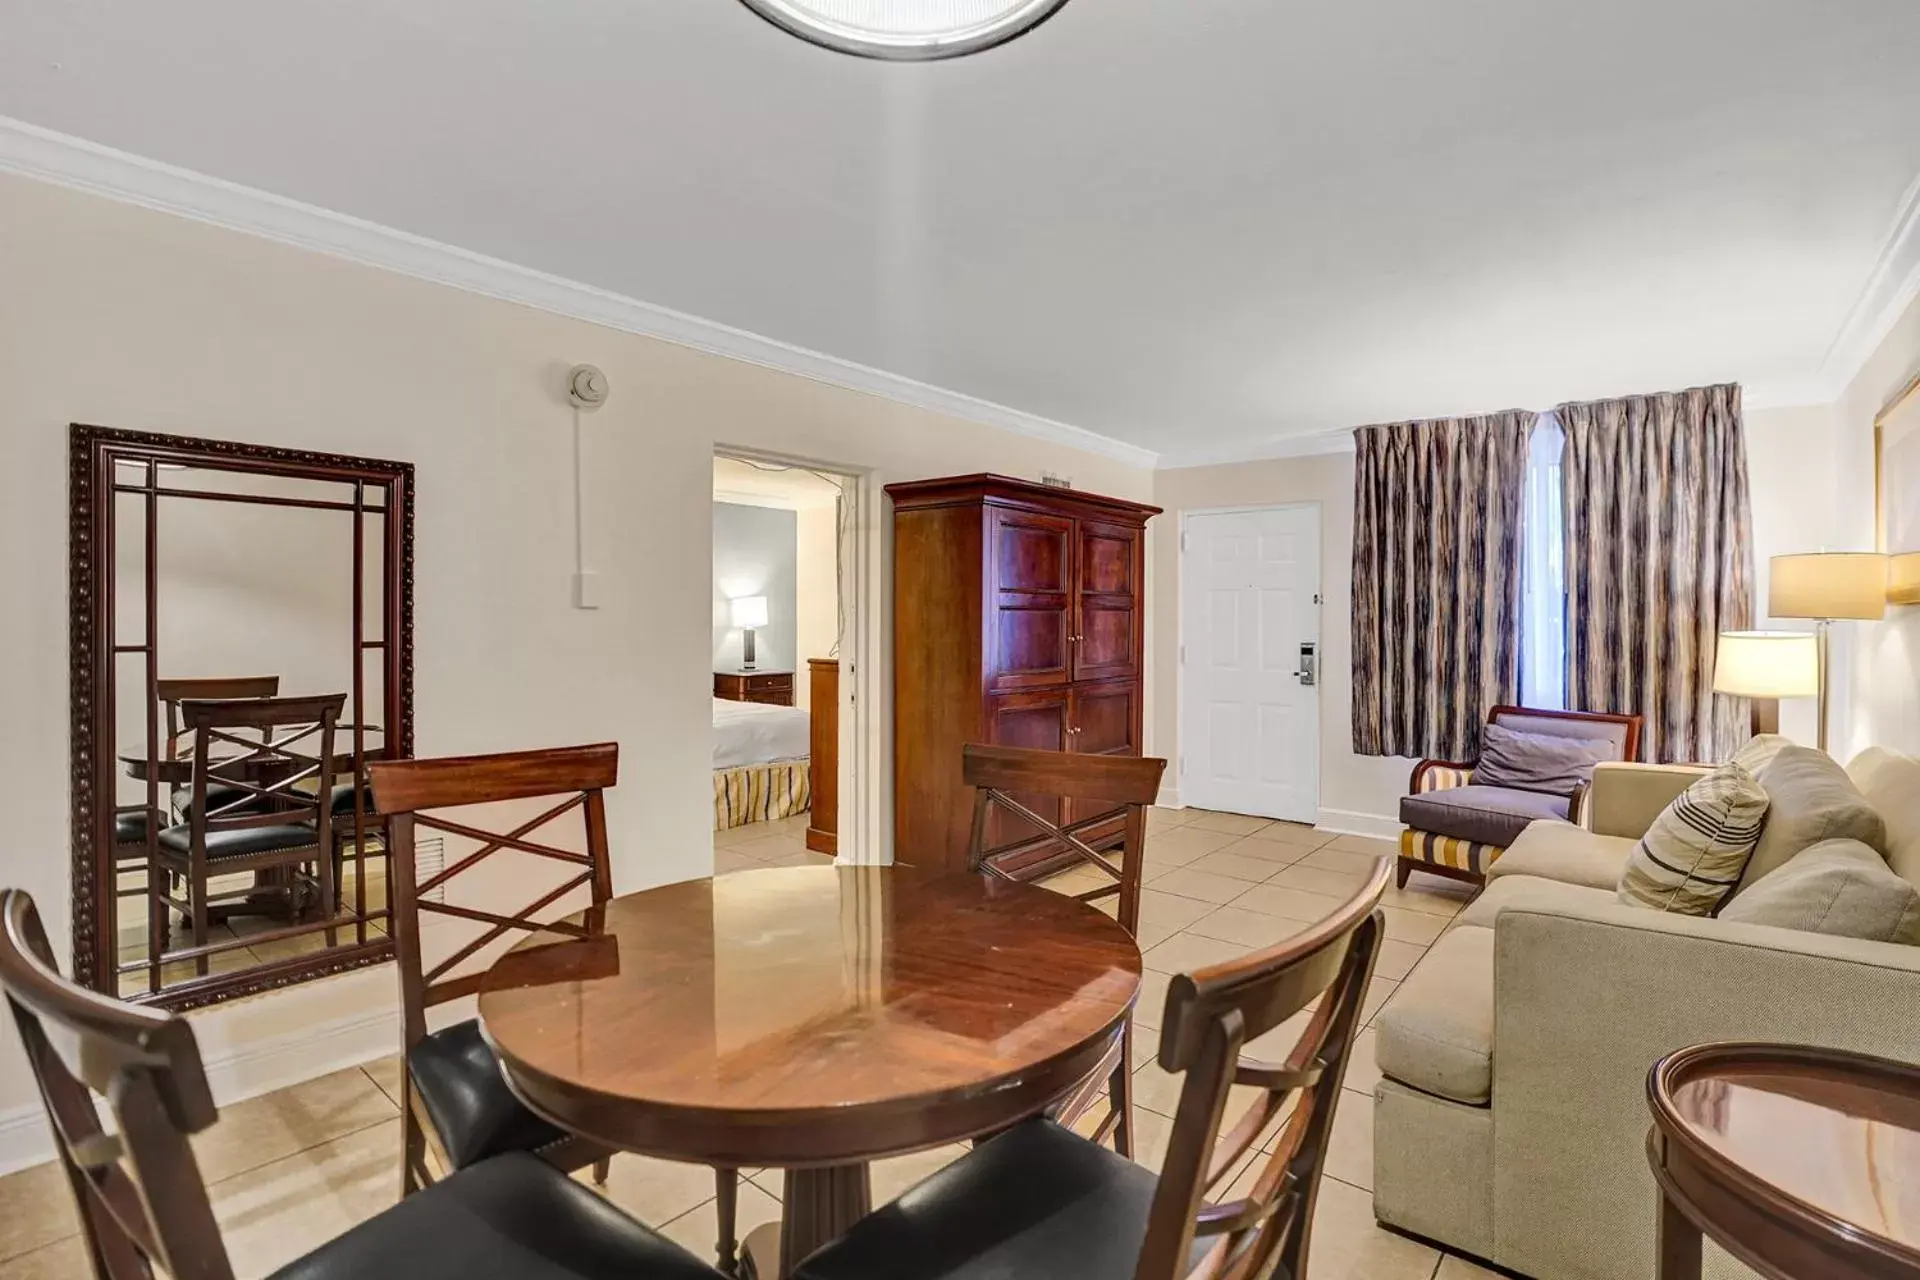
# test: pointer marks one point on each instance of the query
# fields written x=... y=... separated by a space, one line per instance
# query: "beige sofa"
x=1511 y=1119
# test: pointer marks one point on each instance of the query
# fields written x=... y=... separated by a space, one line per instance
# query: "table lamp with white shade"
x=1826 y=586
x=1767 y=666
x=749 y=612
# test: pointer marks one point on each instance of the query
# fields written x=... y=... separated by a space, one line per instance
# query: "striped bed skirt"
x=760 y=793
x=1448 y=851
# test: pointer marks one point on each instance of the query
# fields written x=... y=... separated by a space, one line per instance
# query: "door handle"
x=1309 y=672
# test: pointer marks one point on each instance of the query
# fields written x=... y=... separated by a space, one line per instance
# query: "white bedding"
x=749 y=733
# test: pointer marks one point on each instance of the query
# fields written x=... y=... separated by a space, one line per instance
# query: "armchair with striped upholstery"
x=1456 y=827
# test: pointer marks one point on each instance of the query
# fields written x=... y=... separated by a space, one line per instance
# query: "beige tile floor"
x=295 y=1168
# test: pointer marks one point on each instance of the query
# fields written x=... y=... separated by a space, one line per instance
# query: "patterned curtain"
x=1436 y=581
x=1659 y=562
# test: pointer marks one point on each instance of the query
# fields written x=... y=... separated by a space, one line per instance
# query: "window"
x=1543 y=573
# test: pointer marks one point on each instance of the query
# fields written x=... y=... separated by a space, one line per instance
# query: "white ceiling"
x=1198 y=226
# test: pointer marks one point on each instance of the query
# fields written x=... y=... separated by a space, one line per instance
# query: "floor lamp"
x=1764 y=667
x=1828 y=586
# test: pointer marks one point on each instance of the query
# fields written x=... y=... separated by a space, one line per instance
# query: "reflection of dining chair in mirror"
x=271 y=824
x=452 y=1074
x=1089 y=788
x=172 y=692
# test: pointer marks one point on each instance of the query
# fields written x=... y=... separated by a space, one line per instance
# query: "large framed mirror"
x=242 y=646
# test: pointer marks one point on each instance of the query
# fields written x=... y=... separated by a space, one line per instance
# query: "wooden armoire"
x=1019 y=617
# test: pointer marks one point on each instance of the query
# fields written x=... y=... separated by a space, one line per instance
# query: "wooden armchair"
x=1456 y=827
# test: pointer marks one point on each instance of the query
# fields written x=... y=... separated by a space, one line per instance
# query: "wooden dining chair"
x=453 y=1092
x=1039 y=1200
x=263 y=825
x=143 y=1203
x=173 y=693
x=1114 y=788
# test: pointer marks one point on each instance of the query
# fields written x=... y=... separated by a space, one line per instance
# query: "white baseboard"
x=1169 y=798
x=244 y=1071
x=1347 y=822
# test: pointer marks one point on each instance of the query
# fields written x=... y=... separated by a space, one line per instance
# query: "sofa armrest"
x=1588 y=996
x=1439 y=775
x=1624 y=798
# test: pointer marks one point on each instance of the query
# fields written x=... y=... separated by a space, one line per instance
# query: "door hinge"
x=1183 y=655
x=1183 y=766
x=1316 y=597
x=1183 y=539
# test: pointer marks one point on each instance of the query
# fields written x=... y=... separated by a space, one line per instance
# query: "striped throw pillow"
x=1692 y=856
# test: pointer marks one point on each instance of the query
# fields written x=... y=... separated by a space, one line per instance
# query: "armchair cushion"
x=1436 y=1032
x=1484 y=815
x=1538 y=761
x=1565 y=853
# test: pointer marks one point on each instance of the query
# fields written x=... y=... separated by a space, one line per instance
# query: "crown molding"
x=1890 y=289
x=58 y=158
x=1313 y=444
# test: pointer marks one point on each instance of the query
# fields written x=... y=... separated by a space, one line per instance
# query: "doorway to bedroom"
x=784 y=634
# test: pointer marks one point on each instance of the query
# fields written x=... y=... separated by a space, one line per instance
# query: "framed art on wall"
x=1896 y=464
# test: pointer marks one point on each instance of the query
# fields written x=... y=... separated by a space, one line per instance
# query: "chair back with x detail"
x=452 y=1075
x=1210 y=1015
x=1112 y=786
x=143 y=1204
x=145 y=1210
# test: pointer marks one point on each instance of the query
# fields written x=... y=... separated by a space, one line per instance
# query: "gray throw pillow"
x=1691 y=857
x=1538 y=761
x=1810 y=799
x=1838 y=887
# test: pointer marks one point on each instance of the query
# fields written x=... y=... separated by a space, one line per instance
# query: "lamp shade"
x=750 y=611
x=1831 y=584
x=1767 y=664
x=1903 y=579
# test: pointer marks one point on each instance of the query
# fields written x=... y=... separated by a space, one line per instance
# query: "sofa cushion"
x=1891 y=784
x=1692 y=856
x=1486 y=815
x=1527 y=891
x=1436 y=1033
x=1538 y=761
x=1811 y=799
x=1839 y=887
x=1757 y=752
x=1566 y=853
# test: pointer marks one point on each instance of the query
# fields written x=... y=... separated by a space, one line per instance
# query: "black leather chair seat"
x=239 y=842
x=472 y=1109
x=1037 y=1201
x=515 y=1216
x=130 y=827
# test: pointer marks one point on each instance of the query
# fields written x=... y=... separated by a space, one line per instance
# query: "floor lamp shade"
x=1767 y=666
x=1828 y=584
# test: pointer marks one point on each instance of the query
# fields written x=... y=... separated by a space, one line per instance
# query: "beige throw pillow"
x=1810 y=799
x=1692 y=856
x=1838 y=887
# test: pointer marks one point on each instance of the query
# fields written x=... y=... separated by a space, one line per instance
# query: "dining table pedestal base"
x=817 y=1206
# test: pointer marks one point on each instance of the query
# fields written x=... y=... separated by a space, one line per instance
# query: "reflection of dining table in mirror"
x=210 y=572
x=813 y=1019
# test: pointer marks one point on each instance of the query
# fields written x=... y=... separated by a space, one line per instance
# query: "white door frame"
x=1180 y=631
x=866 y=770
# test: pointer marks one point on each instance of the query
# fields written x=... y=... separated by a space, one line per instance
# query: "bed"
x=760 y=769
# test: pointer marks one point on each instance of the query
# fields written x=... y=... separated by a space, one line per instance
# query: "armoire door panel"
x=1038 y=721
x=1106 y=719
x=1107 y=608
x=1030 y=624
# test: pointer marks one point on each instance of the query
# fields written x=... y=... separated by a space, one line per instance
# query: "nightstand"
x=775 y=688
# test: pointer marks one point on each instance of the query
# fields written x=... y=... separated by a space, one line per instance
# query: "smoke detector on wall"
x=586 y=387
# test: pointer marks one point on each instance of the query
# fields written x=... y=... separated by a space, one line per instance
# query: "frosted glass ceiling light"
x=906 y=30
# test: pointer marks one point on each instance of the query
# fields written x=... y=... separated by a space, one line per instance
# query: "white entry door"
x=1249 y=661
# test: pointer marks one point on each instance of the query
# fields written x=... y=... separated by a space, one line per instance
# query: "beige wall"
x=129 y=318
x=1357 y=793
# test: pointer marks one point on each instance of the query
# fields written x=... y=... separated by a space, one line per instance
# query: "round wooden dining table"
x=811 y=1019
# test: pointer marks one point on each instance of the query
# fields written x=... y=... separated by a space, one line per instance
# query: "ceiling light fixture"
x=906 y=30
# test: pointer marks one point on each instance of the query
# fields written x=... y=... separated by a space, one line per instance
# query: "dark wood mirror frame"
x=92 y=456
